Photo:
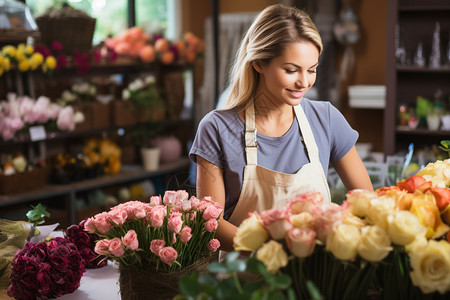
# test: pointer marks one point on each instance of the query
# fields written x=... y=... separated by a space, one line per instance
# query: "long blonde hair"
x=268 y=36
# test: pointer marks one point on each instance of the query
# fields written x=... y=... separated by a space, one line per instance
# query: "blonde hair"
x=268 y=36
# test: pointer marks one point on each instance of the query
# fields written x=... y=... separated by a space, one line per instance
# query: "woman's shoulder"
x=220 y=117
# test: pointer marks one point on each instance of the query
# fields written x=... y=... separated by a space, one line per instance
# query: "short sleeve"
x=207 y=142
x=343 y=136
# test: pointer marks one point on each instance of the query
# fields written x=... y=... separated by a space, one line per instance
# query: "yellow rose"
x=403 y=227
x=272 y=256
x=28 y=49
x=24 y=65
x=359 y=201
x=50 y=61
x=301 y=220
x=419 y=243
x=9 y=50
x=250 y=235
x=375 y=243
x=431 y=267
x=6 y=63
x=380 y=208
x=351 y=219
x=343 y=241
x=20 y=55
x=425 y=209
x=438 y=173
x=38 y=57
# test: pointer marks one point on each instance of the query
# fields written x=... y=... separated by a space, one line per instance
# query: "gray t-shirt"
x=220 y=140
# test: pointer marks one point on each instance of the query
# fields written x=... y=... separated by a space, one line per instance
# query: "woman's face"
x=287 y=77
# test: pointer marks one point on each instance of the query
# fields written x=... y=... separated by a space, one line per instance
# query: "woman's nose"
x=302 y=79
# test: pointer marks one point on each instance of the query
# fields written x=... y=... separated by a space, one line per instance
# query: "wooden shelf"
x=415 y=69
x=408 y=131
x=128 y=174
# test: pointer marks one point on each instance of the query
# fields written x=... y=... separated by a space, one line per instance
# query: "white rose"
x=403 y=227
x=359 y=201
x=419 y=243
x=78 y=117
x=351 y=219
x=149 y=79
x=375 y=244
x=343 y=241
x=380 y=208
x=126 y=94
x=438 y=173
x=251 y=234
x=273 y=256
x=136 y=85
x=431 y=267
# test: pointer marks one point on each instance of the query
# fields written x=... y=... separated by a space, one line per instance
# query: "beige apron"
x=264 y=189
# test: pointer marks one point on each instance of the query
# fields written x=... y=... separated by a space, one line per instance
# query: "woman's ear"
x=257 y=66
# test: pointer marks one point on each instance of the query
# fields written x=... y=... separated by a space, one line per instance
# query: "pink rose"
x=102 y=247
x=168 y=255
x=213 y=245
x=212 y=212
x=186 y=205
x=175 y=222
x=116 y=247
x=156 y=246
x=130 y=240
x=325 y=217
x=66 y=119
x=118 y=217
x=155 y=200
x=276 y=221
x=185 y=234
x=195 y=202
x=102 y=223
x=211 y=225
x=301 y=241
x=89 y=225
x=305 y=202
x=156 y=216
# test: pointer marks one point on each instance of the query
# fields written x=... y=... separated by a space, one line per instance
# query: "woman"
x=268 y=144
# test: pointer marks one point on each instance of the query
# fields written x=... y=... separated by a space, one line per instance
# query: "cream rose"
x=250 y=235
x=431 y=267
x=437 y=172
x=272 y=255
x=359 y=201
x=403 y=227
x=343 y=241
x=301 y=220
x=380 y=208
x=301 y=241
x=419 y=243
x=375 y=244
x=351 y=219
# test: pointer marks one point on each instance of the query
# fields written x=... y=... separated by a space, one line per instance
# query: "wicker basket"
x=24 y=181
x=73 y=31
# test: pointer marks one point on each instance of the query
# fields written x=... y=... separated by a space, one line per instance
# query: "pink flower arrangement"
x=20 y=112
x=167 y=233
x=46 y=270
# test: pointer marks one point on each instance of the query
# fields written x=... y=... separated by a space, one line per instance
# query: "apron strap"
x=308 y=136
x=251 y=145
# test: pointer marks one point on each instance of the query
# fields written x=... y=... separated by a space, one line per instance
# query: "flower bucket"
x=136 y=283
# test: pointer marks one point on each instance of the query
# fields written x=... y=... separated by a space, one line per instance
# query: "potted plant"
x=144 y=138
x=146 y=99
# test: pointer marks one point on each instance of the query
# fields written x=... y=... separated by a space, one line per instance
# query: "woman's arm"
x=352 y=171
x=210 y=183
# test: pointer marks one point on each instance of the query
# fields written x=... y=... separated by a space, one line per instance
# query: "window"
x=155 y=16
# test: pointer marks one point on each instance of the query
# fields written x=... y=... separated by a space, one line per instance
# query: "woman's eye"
x=312 y=71
x=290 y=71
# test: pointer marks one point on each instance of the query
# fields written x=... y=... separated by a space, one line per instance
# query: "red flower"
x=411 y=184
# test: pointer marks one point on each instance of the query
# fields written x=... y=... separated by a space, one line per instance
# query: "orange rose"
x=442 y=196
x=425 y=209
x=410 y=184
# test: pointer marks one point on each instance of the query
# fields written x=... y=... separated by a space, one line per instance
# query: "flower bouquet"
x=388 y=242
x=46 y=270
x=156 y=243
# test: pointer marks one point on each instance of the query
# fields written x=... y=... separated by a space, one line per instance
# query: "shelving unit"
x=69 y=193
x=417 y=20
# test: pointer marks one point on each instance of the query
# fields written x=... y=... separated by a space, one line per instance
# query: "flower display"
x=20 y=112
x=168 y=233
x=46 y=270
x=25 y=58
x=85 y=243
x=392 y=239
x=135 y=42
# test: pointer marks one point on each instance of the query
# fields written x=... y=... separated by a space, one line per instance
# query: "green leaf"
x=37 y=214
x=313 y=290
x=282 y=281
x=236 y=266
x=189 y=286
x=207 y=279
x=232 y=256
x=216 y=267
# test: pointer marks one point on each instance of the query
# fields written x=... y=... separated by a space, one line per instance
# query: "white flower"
x=438 y=173
x=126 y=94
x=149 y=80
x=136 y=85
x=375 y=244
x=403 y=227
x=343 y=241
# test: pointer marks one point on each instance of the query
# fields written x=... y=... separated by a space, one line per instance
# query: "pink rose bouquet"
x=167 y=233
x=46 y=270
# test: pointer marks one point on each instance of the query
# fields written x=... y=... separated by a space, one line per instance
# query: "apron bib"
x=264 y=189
